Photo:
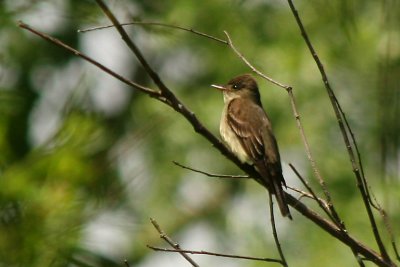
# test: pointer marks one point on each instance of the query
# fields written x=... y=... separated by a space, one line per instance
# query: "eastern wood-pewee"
x=246 y=129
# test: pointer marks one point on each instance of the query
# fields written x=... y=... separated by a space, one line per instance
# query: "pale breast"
x=231 y=139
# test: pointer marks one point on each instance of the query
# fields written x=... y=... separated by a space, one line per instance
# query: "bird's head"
x=243 y=86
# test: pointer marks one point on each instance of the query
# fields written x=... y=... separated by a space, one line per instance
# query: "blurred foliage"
x=85 y=161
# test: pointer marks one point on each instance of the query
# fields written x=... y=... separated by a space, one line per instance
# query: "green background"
x=85 y=161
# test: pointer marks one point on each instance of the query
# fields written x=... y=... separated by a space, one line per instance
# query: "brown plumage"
x=246 y=128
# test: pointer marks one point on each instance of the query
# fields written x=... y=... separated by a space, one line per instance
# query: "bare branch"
x=57 y=42
x=332 y=212
x=301 y=192
x=340 y=117
x=324 y=206
x=172 y=243
x=132 y=46
x=151 y=23
x=338 y=233
x=211 y=174
x=202 y=252
x=240 y=55
x=322 y=203
x=274 y=232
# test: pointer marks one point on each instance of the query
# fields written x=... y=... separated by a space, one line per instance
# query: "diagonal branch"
x=323 y=204
x=340 y=117
x=53 y=40
x=172 y=243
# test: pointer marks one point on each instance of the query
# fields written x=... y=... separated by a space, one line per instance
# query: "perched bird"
x=246 y=129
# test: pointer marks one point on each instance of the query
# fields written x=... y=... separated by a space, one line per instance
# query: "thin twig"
x=274 y=232
x=172 y=243
x=395 y=250
x=126 y=263
x=152 y=23
x=334 y=216
x=135 y=50
x=304 y=194
x=301 y=192
x=240 y=55
x=359 y=259
x=339 y=117
x=332 y=211
x=388 y=227
x=312 y=196
x=202 y=252
x=337 y=232
x=57 y=42
x=354 y=141
x=224 y=176
x=322 y=203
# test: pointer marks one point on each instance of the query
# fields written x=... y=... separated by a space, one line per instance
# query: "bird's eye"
x=235 y=86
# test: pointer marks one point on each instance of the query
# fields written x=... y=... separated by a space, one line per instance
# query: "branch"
x=172 y=243
x=211 y=174
x=57 y=42
x=338 y=233
x=274 y=233
x=151 y=23
x=340 y=117
x=240 y=55
x=202 y=252
x=176 y=248
x=322 y=203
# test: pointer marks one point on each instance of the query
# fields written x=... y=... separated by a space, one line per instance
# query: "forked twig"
x=172 y=243
x=202 y=252
x=322 y=203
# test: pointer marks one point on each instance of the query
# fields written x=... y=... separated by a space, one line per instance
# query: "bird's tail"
x=280 y=198
x=275 y=181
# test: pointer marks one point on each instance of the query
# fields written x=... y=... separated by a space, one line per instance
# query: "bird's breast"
x=231 y=139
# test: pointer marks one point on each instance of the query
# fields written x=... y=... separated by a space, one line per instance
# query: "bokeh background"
x=85 y=161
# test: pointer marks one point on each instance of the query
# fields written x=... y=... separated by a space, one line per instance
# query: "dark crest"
x=245 y=81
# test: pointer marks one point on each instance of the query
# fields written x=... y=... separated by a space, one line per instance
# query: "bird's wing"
x=253 y=128
x=247 y=126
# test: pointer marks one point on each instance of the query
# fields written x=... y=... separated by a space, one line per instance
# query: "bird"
x=247 y=131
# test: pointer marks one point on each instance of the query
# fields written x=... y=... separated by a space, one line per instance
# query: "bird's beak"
x=219 y=87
